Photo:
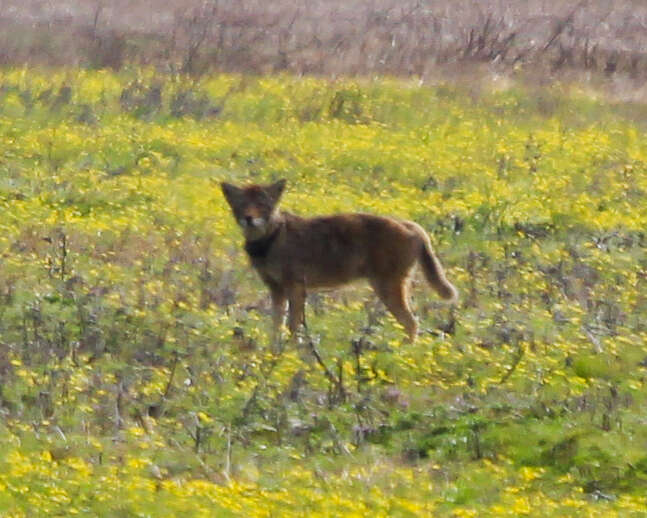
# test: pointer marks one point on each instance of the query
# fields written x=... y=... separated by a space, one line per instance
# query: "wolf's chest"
x=266 y=261
x=259 y=249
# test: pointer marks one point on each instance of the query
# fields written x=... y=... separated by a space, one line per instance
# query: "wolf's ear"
x=233 y=194
x=275 y=190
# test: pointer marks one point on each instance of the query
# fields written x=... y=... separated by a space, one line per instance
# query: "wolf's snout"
x=251 y=222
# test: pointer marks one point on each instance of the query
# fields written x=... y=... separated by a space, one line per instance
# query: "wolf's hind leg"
x=393 y=293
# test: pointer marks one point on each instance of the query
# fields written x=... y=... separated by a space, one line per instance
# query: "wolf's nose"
x=249 y=220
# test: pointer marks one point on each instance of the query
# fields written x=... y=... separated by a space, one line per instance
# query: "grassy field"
x=136 y=374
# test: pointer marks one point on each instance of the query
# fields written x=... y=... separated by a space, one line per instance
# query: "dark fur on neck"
x=259 y=248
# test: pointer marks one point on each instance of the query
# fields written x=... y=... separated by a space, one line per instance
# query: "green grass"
x=136 y=372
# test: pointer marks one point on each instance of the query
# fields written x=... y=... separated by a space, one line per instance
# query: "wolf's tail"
x=434 y=272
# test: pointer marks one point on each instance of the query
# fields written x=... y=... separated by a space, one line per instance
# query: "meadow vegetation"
x=136 y=373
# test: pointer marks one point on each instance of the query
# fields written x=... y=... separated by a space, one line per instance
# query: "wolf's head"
x=254 y=206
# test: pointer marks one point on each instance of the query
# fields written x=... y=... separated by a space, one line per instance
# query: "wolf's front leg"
x=278 y=313
x=297 y=298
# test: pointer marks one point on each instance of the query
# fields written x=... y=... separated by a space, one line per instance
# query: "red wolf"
x=292 y=254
